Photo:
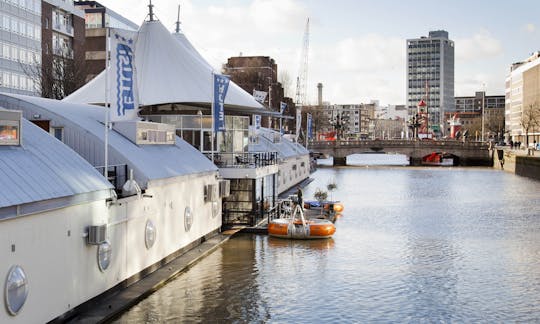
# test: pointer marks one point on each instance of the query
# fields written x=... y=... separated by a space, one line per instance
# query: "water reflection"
x=413 y=245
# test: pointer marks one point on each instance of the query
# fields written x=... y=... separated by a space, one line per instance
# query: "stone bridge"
x=465 y=153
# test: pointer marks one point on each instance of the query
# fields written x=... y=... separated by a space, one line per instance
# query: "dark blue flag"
x=221 y=85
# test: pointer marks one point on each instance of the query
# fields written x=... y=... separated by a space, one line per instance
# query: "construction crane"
x=301 y=80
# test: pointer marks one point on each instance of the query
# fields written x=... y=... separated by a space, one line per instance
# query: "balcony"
x=62 y=28
x=250 y=165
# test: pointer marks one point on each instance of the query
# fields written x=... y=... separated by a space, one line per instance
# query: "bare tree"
x=58 y=75
x=530 y=119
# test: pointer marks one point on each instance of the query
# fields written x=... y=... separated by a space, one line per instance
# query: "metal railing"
x=117 y=175
x=244 y=159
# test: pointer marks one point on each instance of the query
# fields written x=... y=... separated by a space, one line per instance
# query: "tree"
x=530 y=119
x=58 y=75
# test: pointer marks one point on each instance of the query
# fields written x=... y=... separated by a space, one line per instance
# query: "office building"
x=97 y=18
x=523 y=98
x=20 y=46
x=430 y=77
x=62 y=48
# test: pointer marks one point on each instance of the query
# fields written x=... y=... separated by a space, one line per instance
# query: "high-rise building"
x=523 y=99
x=61 y=48
x=430 y=76
x=20 y=45
x=97 y=18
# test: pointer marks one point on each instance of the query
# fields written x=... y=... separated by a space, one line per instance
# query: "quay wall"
x=517 y=162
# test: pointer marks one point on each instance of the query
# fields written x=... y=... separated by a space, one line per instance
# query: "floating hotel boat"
x=297 y=227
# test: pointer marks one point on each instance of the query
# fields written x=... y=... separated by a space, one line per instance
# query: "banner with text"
x=282 y=107
x=257 y=121
x=309 y=125
x=124 y=97
x=221 y=85
x=298 y=121
x=260 y=96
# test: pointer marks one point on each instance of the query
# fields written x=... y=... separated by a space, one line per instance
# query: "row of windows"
x=29 y=5
x=435 y=43
x=16 y=81
x=19 y=54
x=20 y=27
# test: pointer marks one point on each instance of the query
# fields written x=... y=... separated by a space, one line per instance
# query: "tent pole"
x=107 y=109
x=213 y=117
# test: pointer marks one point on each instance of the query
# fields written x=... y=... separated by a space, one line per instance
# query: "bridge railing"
x=394 y=143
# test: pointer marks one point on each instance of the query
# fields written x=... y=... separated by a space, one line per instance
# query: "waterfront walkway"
x=105 y=309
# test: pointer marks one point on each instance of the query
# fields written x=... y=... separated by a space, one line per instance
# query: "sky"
x=356 y=47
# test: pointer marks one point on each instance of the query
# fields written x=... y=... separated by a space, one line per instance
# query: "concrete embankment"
x=520 y=162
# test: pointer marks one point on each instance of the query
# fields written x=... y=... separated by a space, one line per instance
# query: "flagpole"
x=213 y=117
x=107 y=109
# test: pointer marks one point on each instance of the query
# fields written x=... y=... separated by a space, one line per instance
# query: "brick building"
x=62 y=42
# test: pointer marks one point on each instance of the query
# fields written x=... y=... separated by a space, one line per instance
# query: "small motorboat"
x=332 y=206
x=297 y=227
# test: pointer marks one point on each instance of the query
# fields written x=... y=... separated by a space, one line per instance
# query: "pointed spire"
x=151 y=11
x=178 y=21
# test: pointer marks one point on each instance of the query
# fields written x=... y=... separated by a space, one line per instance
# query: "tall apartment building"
x=20 y=45
x=522 y=92
x=62 y=48
x=430 y=76
x=97 y=18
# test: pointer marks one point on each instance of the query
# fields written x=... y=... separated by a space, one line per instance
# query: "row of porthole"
x=105 y=250
x=16 y=290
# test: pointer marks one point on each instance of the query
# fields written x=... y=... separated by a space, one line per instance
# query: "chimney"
x=319 y=87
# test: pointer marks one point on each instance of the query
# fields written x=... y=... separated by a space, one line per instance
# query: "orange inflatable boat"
x=297 y=227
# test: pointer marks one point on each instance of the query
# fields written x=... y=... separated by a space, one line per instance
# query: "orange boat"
x=297 y=227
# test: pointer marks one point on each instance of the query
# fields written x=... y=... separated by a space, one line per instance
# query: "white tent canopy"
x=168 y=70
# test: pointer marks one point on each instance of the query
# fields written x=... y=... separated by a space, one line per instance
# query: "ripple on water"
x=413 y=245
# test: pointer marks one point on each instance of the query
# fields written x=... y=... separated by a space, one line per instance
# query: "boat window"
x=10 y=125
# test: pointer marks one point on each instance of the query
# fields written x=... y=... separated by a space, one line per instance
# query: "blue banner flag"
x=124 y=103
x=282 y=107
x=221 y=85
x=257 y=121
x=309 y=125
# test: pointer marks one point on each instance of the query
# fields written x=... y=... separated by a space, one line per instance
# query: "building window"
x=58 y=132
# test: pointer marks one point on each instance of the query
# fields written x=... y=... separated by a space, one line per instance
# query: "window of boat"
x=10 y=127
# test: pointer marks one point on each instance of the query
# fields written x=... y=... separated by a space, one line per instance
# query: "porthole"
x=16 y=290
x=149 y=234
x=104 y=255
x=188 y=219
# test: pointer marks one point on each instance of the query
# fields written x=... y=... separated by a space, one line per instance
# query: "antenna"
x=178 y=21
x=151 y=11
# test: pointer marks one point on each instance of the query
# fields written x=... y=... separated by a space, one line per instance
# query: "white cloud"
x=370 y=53
x=481 y=45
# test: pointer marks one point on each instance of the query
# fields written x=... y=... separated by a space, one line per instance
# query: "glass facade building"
x=20 y=45
x=430 y=76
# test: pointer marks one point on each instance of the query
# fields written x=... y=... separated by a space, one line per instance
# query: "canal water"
x=413 y=245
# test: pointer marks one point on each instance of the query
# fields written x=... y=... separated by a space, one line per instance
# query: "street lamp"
x=483 y=104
